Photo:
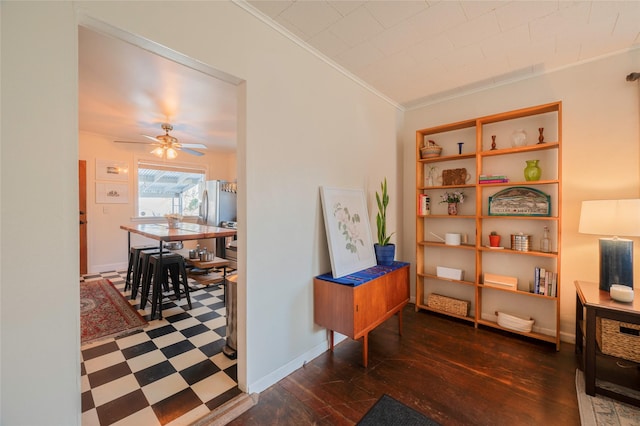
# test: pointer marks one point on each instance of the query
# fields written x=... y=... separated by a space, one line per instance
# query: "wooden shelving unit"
x=475 y=258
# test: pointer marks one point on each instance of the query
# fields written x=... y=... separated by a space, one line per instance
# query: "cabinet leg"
x=400 y=322
x=331 y=339
x=579 y=318
x=590 y=353
x=365 y=350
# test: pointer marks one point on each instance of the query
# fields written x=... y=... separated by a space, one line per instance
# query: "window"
x=168 y=188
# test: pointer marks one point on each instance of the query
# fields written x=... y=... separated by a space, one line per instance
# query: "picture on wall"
x=348 y=233
x=112 y=170
x=112 y=193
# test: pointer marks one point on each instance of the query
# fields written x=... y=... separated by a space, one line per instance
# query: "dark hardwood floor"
x=448 y=370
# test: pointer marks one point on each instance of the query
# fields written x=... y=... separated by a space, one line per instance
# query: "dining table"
x=183 y=231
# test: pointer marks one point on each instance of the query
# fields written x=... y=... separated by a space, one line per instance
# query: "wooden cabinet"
x=483 y=147
x=356 y=309
x=599 y=359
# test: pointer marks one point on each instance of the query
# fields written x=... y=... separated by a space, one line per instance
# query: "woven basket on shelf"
x=431 y=149
x=619 y=339
x=448 y=304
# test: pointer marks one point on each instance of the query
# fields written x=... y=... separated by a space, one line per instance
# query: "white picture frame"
x=112 y=170
x=112 y=193
x=348 y=231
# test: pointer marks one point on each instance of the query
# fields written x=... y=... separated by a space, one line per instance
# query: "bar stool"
x=145 y=276
x=157 y=276
x=140 y=269
x=134 y=254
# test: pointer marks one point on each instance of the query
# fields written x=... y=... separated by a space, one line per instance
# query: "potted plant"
x=494 y=239
x=385 y=251
x=452 y=199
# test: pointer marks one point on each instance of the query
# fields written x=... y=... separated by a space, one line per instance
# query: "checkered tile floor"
x=170 y=373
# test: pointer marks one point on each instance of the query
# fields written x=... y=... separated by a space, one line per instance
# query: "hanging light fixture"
x=171 y=153
x=165 y=151
x=159 y=151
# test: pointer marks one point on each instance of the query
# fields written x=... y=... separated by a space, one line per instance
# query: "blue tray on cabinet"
x=361 y=277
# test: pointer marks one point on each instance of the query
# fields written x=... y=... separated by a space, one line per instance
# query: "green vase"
x=532 y=171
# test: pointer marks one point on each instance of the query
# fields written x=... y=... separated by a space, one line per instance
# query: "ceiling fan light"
x=171 y=153
x=158 y=151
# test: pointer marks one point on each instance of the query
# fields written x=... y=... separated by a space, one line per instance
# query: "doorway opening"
x=148 y=97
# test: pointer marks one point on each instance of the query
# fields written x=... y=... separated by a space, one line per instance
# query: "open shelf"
x=427 y=308
x=532 y=334
x=493 y=155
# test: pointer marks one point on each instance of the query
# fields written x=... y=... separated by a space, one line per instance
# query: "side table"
x=593 y=303
x=356 y=304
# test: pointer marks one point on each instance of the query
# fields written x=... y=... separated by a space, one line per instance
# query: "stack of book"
x=545 y=282
x=493 y=179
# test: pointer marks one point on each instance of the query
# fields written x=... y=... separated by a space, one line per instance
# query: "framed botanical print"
x=348 y=231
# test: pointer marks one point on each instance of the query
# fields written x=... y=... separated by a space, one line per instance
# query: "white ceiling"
x=421 y=50
x=126 y=91
x=412 y=52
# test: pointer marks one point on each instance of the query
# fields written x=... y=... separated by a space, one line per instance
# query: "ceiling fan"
x=167 y=146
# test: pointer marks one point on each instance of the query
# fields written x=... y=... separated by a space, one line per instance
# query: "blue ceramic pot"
x=385 y=254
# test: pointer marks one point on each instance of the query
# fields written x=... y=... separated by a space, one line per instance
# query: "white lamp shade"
x=610 y=217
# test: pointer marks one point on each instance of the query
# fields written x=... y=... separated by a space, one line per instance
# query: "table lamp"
x=613 y=218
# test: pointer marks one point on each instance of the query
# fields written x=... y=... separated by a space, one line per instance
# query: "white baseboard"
x=96 y=269
x=282 y=372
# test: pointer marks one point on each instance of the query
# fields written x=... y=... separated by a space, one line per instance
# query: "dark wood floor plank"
x=448 y=370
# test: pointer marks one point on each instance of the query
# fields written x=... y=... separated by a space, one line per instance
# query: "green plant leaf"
x=382 y=200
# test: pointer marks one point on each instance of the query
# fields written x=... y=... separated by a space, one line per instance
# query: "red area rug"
x=104 y=312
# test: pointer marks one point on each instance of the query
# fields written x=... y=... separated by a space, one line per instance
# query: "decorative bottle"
x=532 y=171
x=545 y=243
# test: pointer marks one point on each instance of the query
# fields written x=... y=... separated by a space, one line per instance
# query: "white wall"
x=39 y=306
x=306 y=125
x=601 y=151
x=106 y=243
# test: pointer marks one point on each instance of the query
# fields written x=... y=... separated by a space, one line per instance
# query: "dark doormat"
x=389 y=412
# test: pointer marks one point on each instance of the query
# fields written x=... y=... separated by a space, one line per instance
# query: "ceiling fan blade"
x=153 y=138
x=143 y=143
x=190 y=151
x=193 y=145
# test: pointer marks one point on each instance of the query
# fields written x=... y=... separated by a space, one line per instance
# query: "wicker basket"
x=430 y=150
x=619 y=339
x=448 y=304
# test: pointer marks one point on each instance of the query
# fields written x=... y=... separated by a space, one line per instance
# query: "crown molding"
x=285 y=32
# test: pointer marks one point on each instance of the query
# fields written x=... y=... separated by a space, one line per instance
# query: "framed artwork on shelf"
x=520 y=201
x=112 y=193
x=112 y=170
x=346 y=222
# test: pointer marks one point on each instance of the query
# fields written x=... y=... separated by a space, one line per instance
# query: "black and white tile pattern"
x=170 y=373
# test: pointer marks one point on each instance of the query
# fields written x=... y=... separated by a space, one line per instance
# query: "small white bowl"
x=621 y=293
x=515 y=322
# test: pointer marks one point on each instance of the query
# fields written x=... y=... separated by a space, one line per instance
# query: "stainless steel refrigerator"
x=218 y=205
